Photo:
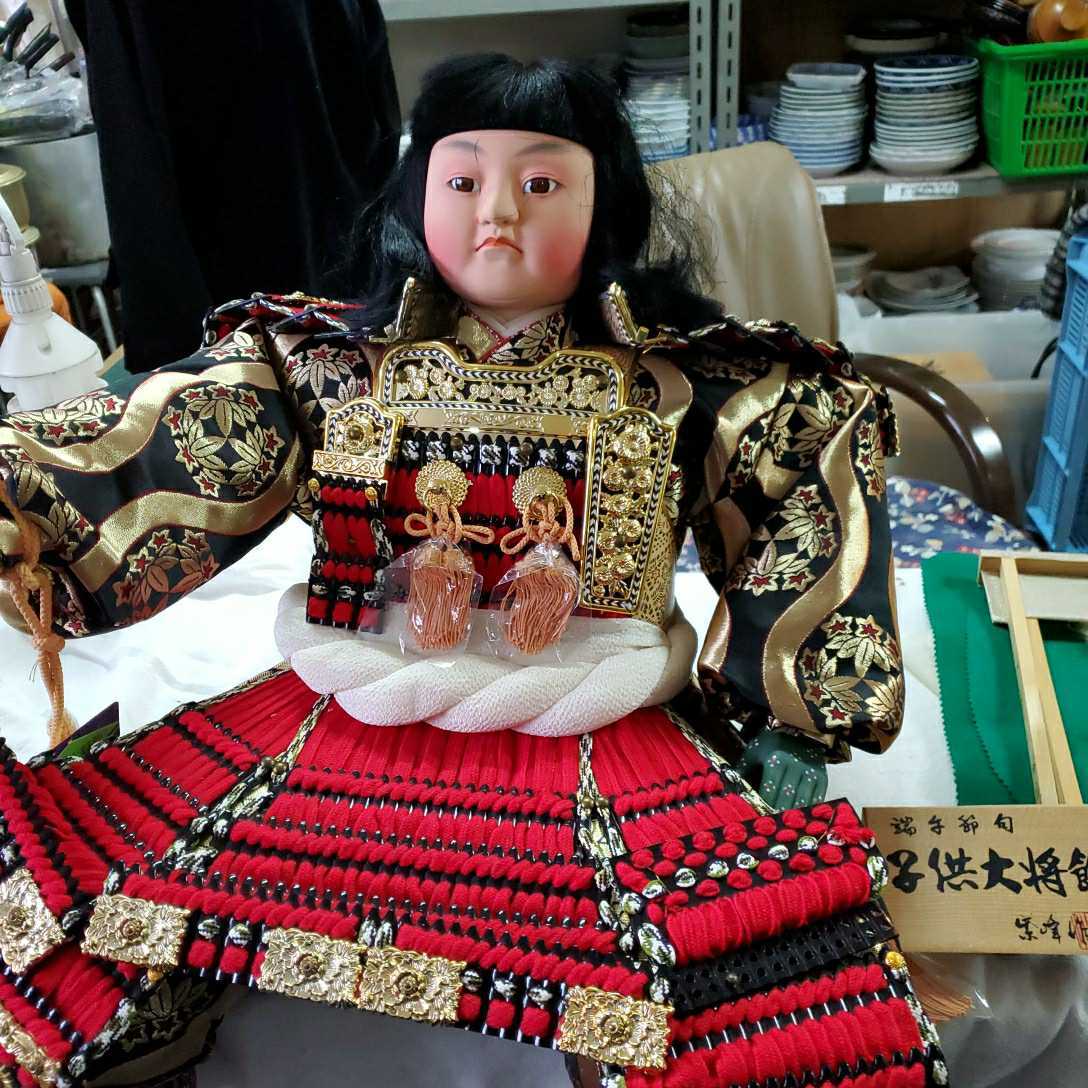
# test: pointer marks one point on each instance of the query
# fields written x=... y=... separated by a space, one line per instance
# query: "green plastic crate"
x=1035 y=107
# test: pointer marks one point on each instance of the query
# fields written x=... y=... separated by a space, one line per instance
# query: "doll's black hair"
x=558 y=98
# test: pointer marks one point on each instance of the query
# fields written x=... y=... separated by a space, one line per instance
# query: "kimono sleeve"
x=143 y=493
x=793 y=532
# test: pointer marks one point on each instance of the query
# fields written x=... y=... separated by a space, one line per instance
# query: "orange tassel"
x=441 y=578
x=440 y=596
x=538 y=604
x=543 y=587
x=940 y=1001
x=22 y=580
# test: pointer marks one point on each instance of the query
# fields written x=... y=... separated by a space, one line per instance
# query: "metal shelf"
x=715 y=36
x=396 y=11
x=874 y=186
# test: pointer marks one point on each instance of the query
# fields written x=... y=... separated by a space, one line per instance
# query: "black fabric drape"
x=239 y=139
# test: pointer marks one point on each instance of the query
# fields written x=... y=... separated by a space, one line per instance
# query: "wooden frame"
x=1052 y=767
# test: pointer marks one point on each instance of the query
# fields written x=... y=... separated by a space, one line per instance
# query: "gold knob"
x=132 y=930
x=17 y=919
x=614 y=1028
x=310 y=965
x=408 y=985
x=441 y=482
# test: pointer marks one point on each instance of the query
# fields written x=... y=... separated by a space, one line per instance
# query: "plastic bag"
x=438 y=587
x=49 y=104
x=533 y=602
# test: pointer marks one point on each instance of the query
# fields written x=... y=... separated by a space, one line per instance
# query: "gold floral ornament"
x=442 y=581
x=411 y=985
x=536 y=598
x=27 y=1054
x=27 y=927
x=310 y=965
x=138 y=931
x=612 y=1028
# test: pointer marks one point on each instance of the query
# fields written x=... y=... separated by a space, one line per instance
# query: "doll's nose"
x=498 y=205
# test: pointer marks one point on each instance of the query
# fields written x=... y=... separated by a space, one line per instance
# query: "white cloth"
x=606 y=669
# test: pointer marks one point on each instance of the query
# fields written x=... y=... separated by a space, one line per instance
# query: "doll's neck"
x=508 y=325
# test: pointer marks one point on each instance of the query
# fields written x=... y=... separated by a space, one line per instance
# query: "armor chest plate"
x=572 y=412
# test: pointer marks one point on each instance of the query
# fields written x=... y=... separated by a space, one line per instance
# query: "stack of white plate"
x=928 y=290
x=821 y=115
x=656 y=75
x=926 y=113
x=851 y=264
x=1009 y=266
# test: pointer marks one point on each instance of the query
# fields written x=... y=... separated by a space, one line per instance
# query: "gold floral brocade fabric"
x=143 y=493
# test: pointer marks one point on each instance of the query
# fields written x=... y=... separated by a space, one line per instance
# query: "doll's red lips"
x=496 y=241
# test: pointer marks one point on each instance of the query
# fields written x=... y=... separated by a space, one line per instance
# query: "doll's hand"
x=794 y=769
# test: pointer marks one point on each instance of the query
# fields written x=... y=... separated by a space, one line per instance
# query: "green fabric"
x=980 y=700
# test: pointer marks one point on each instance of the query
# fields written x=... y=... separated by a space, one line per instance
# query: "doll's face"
x=507 y=216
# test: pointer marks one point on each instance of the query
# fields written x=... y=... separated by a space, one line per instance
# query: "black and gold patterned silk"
x=145 y=492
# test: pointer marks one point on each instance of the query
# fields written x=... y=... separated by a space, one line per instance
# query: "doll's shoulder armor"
x=296 y=312
x=781 y=342
x=777 y=340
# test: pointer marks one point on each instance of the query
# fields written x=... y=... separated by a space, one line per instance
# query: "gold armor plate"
x=411 y=985
x=432 y=386
x=27 y=927
x=630 y=453
x=133 y=930
x=360 y=439
x=310 y=965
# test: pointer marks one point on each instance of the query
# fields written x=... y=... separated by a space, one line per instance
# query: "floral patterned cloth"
x=927 y=518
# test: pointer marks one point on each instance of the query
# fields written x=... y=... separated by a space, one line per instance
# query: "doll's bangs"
x=494 y=91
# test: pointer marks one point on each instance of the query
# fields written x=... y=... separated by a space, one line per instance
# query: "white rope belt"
x=608 y=669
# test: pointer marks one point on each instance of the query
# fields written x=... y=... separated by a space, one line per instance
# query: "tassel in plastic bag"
x=442 y=582
x=536 y=598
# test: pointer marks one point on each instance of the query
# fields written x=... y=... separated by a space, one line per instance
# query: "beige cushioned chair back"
x=757 y=210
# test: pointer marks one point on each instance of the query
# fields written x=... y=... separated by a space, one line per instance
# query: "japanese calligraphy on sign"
x=1010 y=878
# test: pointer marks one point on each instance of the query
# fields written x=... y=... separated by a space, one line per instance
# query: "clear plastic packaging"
x=436 y=581
x=533 y=602
x=438 y=587
x=946 y=989
x=45 y=105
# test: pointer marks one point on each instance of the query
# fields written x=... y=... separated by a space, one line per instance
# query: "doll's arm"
x=139 y=495
x=793 y=530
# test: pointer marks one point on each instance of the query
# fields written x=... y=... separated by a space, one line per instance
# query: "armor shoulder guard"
x=296 y=312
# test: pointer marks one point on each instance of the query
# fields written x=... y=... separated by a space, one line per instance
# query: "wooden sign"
x=993 y=878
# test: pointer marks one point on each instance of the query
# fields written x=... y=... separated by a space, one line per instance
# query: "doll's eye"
x=540 y=186
x=462 y=184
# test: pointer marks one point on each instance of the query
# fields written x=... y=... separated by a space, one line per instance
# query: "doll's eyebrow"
x=466 y=145
x=530 y=149
x=541 y=145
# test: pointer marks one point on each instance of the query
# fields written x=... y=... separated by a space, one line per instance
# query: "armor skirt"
x=621 y=895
